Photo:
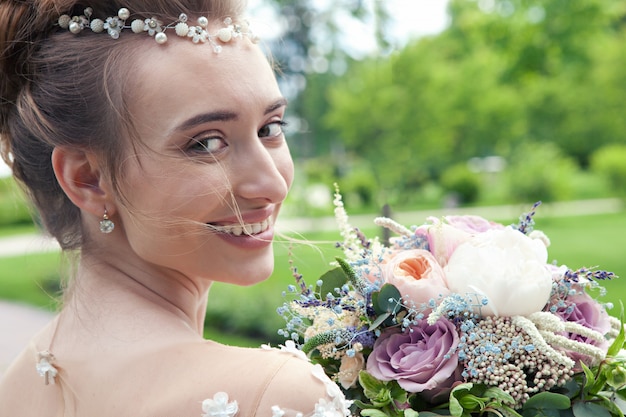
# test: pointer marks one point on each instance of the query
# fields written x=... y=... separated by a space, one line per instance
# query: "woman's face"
x=204 y=189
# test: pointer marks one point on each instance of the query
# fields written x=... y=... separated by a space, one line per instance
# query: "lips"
x=243 y=228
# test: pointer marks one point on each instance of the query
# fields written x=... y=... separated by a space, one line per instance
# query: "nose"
x=262 y=173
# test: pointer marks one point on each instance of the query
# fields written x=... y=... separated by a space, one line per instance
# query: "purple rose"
x=584 y=310
x=420 y=360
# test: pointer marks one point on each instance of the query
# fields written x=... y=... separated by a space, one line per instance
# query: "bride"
x=149 y=136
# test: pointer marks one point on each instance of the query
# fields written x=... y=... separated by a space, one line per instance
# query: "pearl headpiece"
x=198 y=33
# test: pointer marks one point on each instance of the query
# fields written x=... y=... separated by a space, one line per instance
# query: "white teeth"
x=248 y=228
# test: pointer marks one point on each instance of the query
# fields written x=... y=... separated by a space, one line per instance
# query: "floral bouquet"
x=460 y=317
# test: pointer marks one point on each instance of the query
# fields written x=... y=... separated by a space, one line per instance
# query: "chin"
x=252 y=273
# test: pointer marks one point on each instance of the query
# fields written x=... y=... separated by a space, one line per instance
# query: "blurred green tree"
x=505 y=72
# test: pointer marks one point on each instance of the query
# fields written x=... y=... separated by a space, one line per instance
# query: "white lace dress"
x=333 y=405
x=194 y=379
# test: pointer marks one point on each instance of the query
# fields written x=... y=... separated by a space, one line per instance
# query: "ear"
x=79 y=175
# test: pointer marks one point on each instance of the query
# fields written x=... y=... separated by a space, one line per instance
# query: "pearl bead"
x=203 y=22
x=123 y=13
x=182 y=29
x=97 y=25
x=225 y=34
x=160 y=38
x=64 y=21
x=75 y=28
x=137 y=26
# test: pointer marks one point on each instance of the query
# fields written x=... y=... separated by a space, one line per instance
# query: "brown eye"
x=209 y=144
x=272 y=129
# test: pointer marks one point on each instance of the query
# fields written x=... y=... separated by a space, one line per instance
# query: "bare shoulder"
x=196 y=378
x=258 y=382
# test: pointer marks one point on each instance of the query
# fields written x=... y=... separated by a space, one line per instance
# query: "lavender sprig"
x=588 y=274
x=526 y=221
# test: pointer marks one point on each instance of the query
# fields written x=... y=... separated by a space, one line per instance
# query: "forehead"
x=180 y=78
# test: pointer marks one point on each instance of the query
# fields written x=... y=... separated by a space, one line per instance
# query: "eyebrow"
x=224 y=116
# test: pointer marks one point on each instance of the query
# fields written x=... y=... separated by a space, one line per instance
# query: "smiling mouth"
x=243 y=229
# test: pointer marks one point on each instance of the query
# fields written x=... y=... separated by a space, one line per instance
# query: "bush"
x=610 y=162
x=540 y=171
x=462 y=182
x=360 y=187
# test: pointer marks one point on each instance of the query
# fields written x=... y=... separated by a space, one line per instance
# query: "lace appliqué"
x=338 y=406
x=290 y=348
x=45 y=368
x=218 y=406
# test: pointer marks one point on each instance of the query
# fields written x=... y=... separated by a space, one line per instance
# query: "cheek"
x=165 y=192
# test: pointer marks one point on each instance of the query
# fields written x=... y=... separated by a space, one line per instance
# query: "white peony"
x=506 y=267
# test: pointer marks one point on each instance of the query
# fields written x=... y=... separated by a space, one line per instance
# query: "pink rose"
x=472 y=224
x=422 y=359
x=442 y=239
x=417 y=275
x=444 y=236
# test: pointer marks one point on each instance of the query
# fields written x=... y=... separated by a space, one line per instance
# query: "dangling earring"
x=106 y=225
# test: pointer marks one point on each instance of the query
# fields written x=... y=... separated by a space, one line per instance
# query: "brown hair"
x=60 y=89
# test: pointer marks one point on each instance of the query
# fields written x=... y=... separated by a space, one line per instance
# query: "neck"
x=139 y=291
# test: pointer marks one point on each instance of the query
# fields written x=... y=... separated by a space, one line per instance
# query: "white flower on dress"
x=290 y=348
x=45 y=368
x=218 y=406
x=327 y=409
x=339 y=407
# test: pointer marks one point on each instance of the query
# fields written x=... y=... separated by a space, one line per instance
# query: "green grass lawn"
x=251 y=311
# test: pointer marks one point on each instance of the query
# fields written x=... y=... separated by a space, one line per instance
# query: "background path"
x=18 y=324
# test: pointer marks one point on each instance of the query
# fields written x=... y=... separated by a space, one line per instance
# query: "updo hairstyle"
x=61 y=89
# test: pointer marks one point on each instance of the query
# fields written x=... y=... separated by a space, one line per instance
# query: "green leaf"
x=611 y=407
x=507 y=411
x=616 y=376
x=411 y=413
x=335 y=278
x=590 y=378
x=499 y=395
x=379 y=320
x=618 y=343
x=601 y=378
x=456 y=409
x=388 y=300
x=547 y=400
x=398 y=393
x=587 y=409
x=534 y=412
x=372 y=412
x=371 y=386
